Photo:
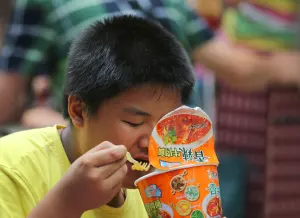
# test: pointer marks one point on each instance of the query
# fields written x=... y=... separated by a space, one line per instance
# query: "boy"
x=124 y=74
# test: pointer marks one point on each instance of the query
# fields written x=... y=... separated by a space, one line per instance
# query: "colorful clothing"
x=263 y=25
x=31 y=163
x=40 y=33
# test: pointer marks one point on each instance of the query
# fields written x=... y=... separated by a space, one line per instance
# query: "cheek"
x=95 y=132
x=124 y=134
x=92 y=137
x=117 y=133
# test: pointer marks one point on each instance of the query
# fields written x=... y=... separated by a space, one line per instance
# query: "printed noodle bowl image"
x=178 y=183
x=214 y=208
x=165 y=211
x=183 y=207
x=183 y=129
x=164 y=214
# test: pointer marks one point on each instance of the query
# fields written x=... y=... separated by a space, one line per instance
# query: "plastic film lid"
x=182 y=137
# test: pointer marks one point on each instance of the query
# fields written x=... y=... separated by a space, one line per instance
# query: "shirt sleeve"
x=196 y=28
x=28 y=38
x=183 y=22
x=14 y=197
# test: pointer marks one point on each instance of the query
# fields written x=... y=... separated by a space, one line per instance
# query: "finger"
x=116 y=178
x=107 y=170
x=101 y=146
x=106 y=156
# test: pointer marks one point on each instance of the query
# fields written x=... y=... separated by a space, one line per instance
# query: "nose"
x=144 y=142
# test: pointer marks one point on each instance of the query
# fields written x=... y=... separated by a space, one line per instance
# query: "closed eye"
x=132 y=124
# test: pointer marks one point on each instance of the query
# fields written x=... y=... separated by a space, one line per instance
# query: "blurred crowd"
x=249 y=87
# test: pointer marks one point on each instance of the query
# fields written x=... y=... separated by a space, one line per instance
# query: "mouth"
x=142 y=159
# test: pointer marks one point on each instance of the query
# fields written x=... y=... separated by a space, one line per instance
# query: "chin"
x=132 y=176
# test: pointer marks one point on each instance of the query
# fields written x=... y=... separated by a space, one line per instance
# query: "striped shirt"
x=264 y=25
x=40 y=32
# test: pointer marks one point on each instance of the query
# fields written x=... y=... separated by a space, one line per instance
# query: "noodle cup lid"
x=182 y=137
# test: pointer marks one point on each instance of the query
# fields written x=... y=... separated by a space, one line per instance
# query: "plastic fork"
x=140 y=166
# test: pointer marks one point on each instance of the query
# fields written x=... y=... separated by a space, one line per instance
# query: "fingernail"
x=121 y=150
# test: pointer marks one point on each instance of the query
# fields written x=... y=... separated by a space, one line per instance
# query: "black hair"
x=122 y=52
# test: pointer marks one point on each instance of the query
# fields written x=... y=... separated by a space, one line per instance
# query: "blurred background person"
x=263 y=125
x=39 y=34
x=7 y=96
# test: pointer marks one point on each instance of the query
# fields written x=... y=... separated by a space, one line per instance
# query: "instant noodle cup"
x=182 y=137
x=188 y=191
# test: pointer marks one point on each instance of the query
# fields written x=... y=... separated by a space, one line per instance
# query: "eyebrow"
x=135 y=111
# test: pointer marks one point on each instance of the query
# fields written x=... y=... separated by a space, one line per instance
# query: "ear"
x=77 y=110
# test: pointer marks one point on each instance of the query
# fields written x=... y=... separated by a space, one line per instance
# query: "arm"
x=239 y=68
x=231 y=65
x=246 y=70
x=39 y=117
x=54 y=205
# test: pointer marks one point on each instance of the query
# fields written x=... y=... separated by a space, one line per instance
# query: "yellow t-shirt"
x=31 y=163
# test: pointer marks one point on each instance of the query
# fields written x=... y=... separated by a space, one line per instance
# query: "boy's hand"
x=96 y=177
x=93 y=180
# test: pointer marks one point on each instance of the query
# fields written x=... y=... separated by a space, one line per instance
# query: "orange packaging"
x=188 y=191
x=182 y=137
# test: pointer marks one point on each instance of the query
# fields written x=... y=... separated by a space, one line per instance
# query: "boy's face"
x=129 y=119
